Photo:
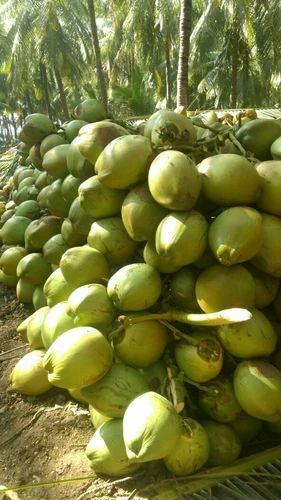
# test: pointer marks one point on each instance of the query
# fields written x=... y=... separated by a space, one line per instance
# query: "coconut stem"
x=115 y=333
x=223 y=317
x=179 y=334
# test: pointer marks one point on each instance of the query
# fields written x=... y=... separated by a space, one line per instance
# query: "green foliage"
x=43 y=42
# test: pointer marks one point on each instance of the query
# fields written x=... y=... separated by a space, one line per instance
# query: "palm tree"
x=55 y=56
x=236 y=42
x=184 y=36
x=100 y=73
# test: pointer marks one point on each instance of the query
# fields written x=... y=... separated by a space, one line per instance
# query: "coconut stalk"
x=172 y=489
x=223 y=317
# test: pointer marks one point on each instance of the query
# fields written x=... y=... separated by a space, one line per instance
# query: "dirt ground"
x=43 y=438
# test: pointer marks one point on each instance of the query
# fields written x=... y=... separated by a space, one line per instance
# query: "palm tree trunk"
x=184 y=35
x=44 y=81
x=234 y=55
x=168 y=71
x=28 y=102
x=100 y=74
x=62 y=93
x=13 y=121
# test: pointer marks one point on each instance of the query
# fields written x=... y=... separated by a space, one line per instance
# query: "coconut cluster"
x=140 y=253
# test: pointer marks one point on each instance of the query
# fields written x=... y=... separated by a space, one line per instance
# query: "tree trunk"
x=28 y=102
x=100 y=73
x=62 y=93
x=44 y=81
x=234 y=54
x=184 y=34
x=14 y=124
x=168 y=71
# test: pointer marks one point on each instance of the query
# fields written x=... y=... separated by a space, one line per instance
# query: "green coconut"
x=89 y=305
x=269 y=198
x=8 y=280
x=114 y=392
x=182 y=288
x=257 y=136
x=174 y=180
x=56 y=203
x=155 y=375
x=55 y=161
x=246 y=427
x=171 y=129
x=229 y=180
x=29 y=209
x=13 y=230
x=142 y=344
x=42 y=180
x=257 y=387
x=275 y=149
x=98 y=200
x=83 y=265
x=141 y=214
x=249 y=339
x=126 y=287
x=21 y=173
x=268 y=258
x=38 y=298
x=42 y=197
x=70 y=234
x=35 y=156
x=28 y=181
x=6 y=216
x=36 y=126
x=72 y=128
x=150 y=122
x=236 y=235
x=69 y=188
x=124 y=161
x=96 y=417
x=25 y=173
x=201 y=360
x=77 y=396
x=54 y=248
x=219 y=287
x=23 y=149
x=77 y=164
x=50 y=142
x=24 y=291
x=191 y=451
x=151 y=428
x=34 y=268
x=89 y=110
x=93 y=138
x=56 y=322
x=22 y=328
x=40 y=231
x=162 y=263
x=80 y=219
x=77 y=358
x=10 y=259
x=182 y=237
x=219 y=401
x=225 y=445
x=106 y=451
x=34 y=328
x=29 y=376
x=56 y=288
x=110 y=237
x=25 y=193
